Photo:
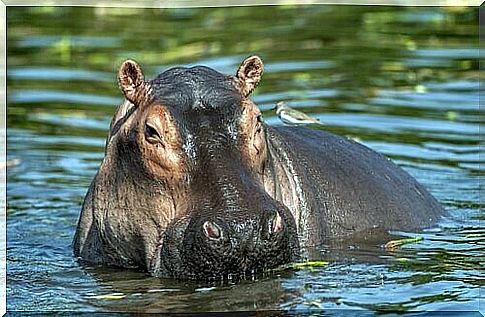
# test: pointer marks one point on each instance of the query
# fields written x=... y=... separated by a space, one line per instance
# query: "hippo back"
x=348 y=188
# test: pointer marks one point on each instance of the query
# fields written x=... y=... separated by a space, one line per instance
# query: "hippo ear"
x=249 y=73
x=131 y=81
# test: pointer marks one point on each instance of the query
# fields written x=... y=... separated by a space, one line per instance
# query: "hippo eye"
x=151 y=134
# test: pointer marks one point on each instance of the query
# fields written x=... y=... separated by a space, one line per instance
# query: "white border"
x=142 y=4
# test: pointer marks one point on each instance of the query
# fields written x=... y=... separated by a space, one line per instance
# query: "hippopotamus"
x=194 y=184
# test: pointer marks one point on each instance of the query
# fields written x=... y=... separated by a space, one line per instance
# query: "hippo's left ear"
x=132 y=82
x=249 y=73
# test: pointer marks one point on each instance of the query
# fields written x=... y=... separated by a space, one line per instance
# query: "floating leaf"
x=301 y=265
x=394 y=244
x=310 y=264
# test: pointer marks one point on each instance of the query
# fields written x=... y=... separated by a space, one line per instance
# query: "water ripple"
x=50 y=96
x=61 y=74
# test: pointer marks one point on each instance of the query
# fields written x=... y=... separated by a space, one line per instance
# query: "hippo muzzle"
x=220 y=242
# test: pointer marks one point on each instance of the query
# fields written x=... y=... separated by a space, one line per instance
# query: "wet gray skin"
x=195 y=185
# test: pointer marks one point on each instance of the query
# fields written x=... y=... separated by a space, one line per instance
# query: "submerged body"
x=194 y=184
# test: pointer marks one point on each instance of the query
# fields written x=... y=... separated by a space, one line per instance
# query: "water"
x=403 y=81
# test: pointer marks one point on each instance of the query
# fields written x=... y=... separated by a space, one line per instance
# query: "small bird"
x=293 y=117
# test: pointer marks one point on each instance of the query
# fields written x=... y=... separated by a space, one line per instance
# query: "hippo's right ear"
x=132 y=82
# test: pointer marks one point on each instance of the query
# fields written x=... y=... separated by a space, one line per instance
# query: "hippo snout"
x=220 y=245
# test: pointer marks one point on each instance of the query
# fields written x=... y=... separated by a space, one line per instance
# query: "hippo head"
x=193 y=147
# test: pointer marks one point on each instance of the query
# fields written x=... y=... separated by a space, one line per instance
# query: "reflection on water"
x=403 y=81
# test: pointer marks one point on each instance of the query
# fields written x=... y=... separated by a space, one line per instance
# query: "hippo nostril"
x=277 y=224
x=212 y=230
